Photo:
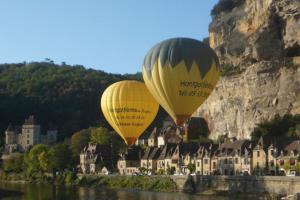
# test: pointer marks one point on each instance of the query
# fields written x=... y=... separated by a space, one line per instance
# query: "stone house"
x=259 y=157
x=272 y=156
x=20 y=139
x=207 y=162
x=144 y=159
x=154 y=158
x=187 y=153
x=242 y=157
x=129 y=163
x=149 y=160
x=160 y=140
x=94 y=157
x=288 y=159
x=199 y=159
x=164 y=158
x=157 y=137
x=152 y=139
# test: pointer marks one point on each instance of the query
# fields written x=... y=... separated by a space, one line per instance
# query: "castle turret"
x=10 y=135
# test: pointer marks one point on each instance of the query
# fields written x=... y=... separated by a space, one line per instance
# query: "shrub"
x=229 y=70
x=14 y=163
x=225 y=6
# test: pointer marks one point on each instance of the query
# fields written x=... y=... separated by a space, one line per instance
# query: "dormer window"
x=292 y=153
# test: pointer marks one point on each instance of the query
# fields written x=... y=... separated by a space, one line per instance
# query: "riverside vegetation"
x=146 y=183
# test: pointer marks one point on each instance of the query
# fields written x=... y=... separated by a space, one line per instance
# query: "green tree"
x=298 y=169
x=103 y=136
x=61 y=157
x=294 y=131
x=15 y=163
x=33 y=159
x=79 y=140
x=171 y=170
x=100 y=136
x=191 y=167
x=196 y=127
x=45 y=162
x=48 y=90
x=286 y=166
x=279 y=127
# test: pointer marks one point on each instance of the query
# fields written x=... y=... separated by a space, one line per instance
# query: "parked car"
x=137 y=174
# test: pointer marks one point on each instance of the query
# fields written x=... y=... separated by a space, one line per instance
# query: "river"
x=49 y=192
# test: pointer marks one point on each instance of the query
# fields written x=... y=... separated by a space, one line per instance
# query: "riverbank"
x=269 y=187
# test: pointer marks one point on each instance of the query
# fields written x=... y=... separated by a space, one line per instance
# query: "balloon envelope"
x=181 y=73
x=129 y=108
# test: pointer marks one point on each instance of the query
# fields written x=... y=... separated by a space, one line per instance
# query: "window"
x=292 y=162
x=198 y=164
x=205 y=161
x=214 y=165
x=27 y=141
x=258 y=153
x=236 y=160
x=272 y=152
x=257 y=164
x=225 y=161
x=230 y=160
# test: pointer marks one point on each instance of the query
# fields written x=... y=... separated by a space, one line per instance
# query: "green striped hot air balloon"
x=181 y=73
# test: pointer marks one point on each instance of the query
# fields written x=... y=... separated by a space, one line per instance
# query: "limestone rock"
x=262 y=37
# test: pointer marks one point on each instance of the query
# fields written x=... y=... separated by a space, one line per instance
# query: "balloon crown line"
x=173 y=51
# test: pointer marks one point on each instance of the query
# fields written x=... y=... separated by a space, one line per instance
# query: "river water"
x=49 y=192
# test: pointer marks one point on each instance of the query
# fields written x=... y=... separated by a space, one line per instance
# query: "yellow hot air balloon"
x=181 y=73
x=129 y=108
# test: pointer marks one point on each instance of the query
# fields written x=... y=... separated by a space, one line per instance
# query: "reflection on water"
x=48 y=192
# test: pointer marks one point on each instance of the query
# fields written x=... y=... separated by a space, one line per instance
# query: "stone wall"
x=278 y=185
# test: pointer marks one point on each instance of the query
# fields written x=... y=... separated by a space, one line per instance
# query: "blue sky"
x=110 y=35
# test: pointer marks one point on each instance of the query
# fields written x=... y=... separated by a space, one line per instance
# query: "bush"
x=229 y=70
x=132 y=182
x=225 y=6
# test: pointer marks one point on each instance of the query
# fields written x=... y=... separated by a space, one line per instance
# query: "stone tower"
x=31 y=132
x=10 y=135
x=11 y=139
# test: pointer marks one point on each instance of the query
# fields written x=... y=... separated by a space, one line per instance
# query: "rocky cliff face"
x=258 y=43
